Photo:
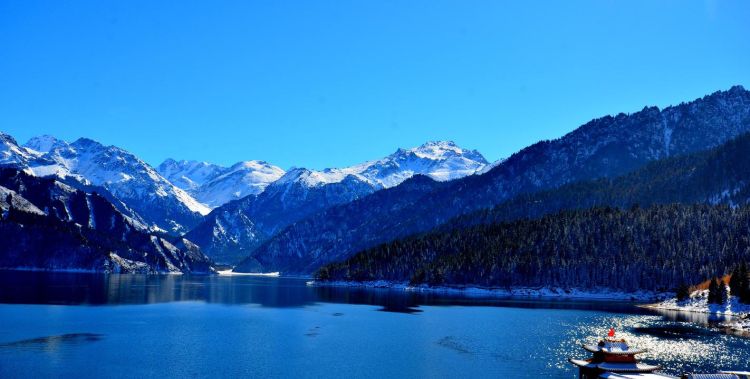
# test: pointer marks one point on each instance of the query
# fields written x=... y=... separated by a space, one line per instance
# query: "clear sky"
x=332 y=83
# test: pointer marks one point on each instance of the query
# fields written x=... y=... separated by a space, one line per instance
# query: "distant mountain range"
x=252 y=199
x=232 y=231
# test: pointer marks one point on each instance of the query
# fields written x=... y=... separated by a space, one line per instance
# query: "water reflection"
x=98 y=289
x=709 y=319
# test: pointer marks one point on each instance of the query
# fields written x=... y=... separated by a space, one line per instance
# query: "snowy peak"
x=242 y=179
x=44 y=144
x=440 y=160
x=442 y=150
x=314 y=178
x=13 y=154
x=189 y=175
x=215 y=185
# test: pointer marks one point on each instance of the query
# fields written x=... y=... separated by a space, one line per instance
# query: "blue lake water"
x=84 y=325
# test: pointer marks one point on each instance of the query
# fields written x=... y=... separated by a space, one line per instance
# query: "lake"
x=88 y=325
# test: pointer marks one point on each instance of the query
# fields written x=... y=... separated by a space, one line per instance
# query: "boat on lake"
x=614 y=358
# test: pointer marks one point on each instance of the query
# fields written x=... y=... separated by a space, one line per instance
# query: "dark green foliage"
x=739 y=283
x=683 y=292
x=701 y=177
x=714 y=292
x=654 y=248
x=717 y=292
x=723 y=293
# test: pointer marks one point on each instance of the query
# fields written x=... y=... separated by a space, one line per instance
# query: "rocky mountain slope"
x=49 y=225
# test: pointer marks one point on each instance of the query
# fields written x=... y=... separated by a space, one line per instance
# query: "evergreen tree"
x=739 y=283
x=683 y=292
x=723 y=293
x=735 y=282
x=743 y=284
x=713 y=292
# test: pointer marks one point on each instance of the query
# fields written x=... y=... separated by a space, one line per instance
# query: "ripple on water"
x=50 y=343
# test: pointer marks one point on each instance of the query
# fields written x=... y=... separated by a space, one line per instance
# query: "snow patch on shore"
x=698 y=303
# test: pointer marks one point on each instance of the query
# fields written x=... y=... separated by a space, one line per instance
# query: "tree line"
x=655 y=248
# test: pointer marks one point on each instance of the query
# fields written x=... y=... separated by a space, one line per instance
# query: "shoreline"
x=737 y=314
x=600 y=294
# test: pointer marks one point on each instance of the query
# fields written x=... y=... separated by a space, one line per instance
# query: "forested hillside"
x=655 y=248
x=718 y=175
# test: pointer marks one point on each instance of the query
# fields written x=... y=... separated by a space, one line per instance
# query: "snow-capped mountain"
x=189 y=175
x=440 y=160
x=43 y=144
x=157 y=201
x=215 y=185
x=232 y=230
x=11 y=154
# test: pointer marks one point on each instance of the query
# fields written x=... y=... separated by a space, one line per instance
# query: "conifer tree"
x=713 y=292
x=743 y=284
x=683 y=292
x=723 y=293
x=735 y=282
x=739 y=283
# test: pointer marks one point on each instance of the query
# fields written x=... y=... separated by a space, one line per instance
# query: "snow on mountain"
x=240 y=180
x=440 y=160
x=11 y=199
x=158 y=202
x=43 y=144
x=11 y=154
x=189 y=175
x=215 y=185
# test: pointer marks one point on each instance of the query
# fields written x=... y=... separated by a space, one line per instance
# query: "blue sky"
x=332 y=83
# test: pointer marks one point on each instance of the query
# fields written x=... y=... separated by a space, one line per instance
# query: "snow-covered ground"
x=698 y=302
x=526 y=292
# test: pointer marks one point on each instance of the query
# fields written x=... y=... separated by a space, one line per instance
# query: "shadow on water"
x=674 y=331
x=51 y=343
x=100 y=289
